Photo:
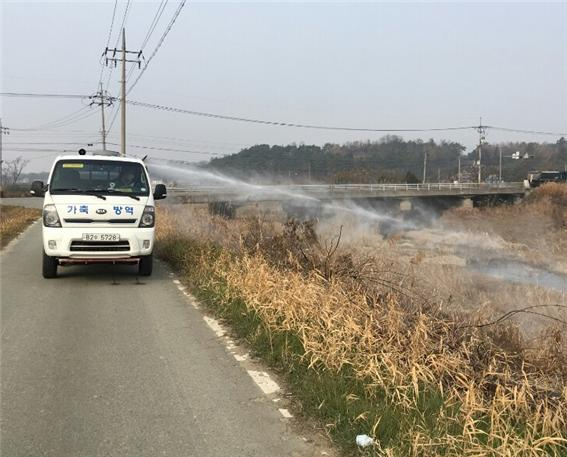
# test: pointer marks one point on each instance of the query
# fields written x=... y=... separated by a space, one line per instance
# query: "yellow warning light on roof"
x=73 y=165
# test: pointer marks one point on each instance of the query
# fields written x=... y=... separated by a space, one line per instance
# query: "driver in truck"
x=126 y=180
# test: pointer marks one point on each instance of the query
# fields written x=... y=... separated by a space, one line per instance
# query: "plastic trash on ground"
x=364 y=440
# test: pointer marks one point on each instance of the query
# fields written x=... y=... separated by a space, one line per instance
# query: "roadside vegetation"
x=13 y=221
x=367 y=347
x=538 y=227
x=389 y=160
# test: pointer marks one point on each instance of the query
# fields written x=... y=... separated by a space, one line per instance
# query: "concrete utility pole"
x=499 y=163
x=459 y=172
x=123 y=101
x=424 y=167
x=102 y=113
x=123 y=61
x=481 y=132
x=3 y=131
x=104 y=100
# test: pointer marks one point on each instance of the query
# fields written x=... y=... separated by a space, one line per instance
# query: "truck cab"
x=98 y=209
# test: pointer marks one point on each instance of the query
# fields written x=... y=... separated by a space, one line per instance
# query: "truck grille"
x=100 y=246
x=99 y=221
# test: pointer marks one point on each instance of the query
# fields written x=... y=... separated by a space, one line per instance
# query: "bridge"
x=243 y=193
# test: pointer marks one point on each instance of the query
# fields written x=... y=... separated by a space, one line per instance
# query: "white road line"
x=230 y=345
x=285 y=413
x=264 y=382
x=241 y=358
x=261 y=378
x=214 y=325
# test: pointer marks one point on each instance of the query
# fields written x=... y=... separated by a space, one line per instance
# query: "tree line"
x=391 y=159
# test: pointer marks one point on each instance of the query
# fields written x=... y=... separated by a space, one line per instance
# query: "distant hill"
x=390 y=159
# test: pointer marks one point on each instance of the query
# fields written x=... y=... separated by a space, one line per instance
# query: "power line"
x=40 y=150
x=289 y=124
x=111 y=23
x=62 y=119
x=535 y=132
x=48 y=142
x=169 y=149
x=326 y=127
x=117 y=109
x=52 y=125
x=154 y=23
x=124 y=17
x=181 y=141
x=38 y=95
x=108 y=41
x=170 y=25
x=55 y=133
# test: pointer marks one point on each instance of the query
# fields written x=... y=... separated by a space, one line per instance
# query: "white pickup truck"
x=98 y=209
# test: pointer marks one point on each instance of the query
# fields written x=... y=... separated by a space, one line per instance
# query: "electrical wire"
x=160 y=42
x=65 y=123
x=38 y=95
x=189 y=141
x=117 y=109
x=290 y=124
x=534 y=132
x=108 y=41
x=155 y=21
x=38 y=150
x=70 y=116
x=43 y=142
x=111 y=23
x=124 y=18
x=136 y=146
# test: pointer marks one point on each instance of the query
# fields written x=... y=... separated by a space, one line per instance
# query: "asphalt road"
x=99 y=363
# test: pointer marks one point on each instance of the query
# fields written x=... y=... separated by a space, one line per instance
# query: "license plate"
x=101 y=237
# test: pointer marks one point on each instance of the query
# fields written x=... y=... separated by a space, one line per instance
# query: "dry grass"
x=13 y=220
x=435 y=381
x=538 y=226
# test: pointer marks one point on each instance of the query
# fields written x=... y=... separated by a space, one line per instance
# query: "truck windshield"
x=105 y=177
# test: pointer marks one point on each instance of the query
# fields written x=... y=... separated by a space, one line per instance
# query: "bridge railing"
x=311 y=189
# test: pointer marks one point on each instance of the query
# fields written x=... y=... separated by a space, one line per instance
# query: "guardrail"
x=310 y=189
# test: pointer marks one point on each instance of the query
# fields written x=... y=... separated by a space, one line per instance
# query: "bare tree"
x=13 y=169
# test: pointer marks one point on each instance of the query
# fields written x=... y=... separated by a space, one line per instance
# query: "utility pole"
x=424 y=167
x=499 y=163
x=481 y=137
x=104 y=100
x=123 y=61
x=123 y=101
x=459 y=172
x=3 y=131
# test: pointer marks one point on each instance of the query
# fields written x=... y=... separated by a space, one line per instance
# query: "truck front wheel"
x=49 y=266
x=146 y=264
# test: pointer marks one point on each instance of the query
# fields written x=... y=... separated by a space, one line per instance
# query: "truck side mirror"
x=160 y=192
x=37 y=189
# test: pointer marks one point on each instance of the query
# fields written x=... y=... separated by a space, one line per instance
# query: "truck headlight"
x=50 y=216
x=148 y=217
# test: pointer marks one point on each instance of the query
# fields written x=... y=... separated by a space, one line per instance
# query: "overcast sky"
x=374 y=65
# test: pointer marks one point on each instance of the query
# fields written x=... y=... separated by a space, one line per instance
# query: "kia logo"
x=101 y=211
